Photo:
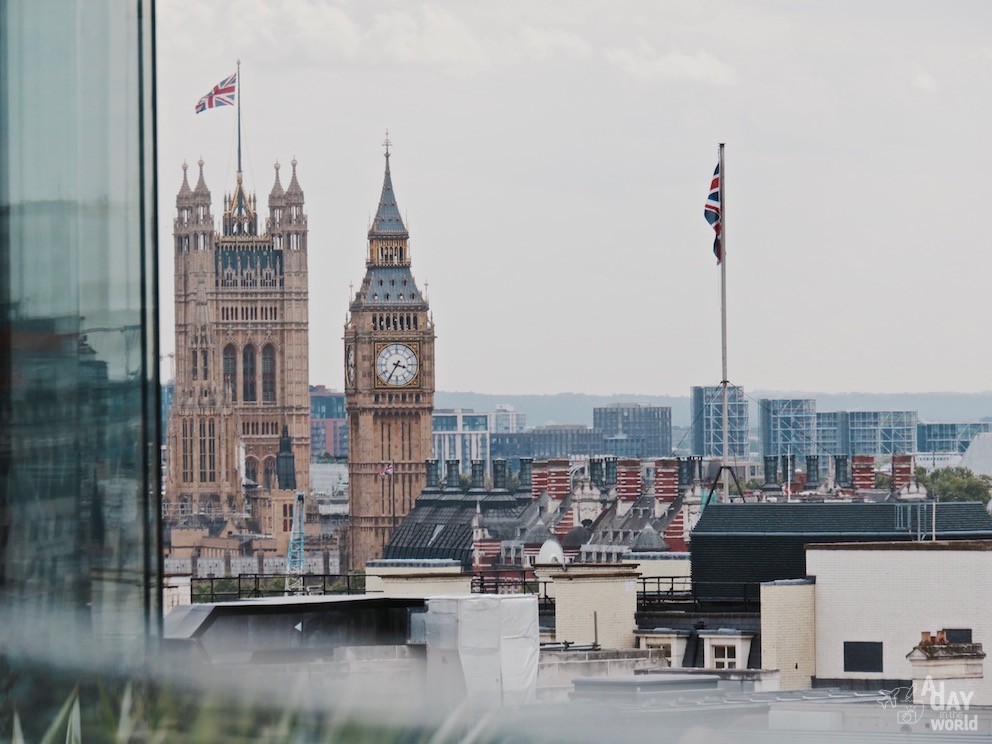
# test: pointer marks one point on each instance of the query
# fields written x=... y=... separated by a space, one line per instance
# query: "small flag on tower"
x=711 y=211
x=222 y=94
x=387 y=470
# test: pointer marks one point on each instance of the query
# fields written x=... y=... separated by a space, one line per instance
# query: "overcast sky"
x=551 y=159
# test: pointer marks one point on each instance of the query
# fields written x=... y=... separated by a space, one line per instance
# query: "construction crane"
x=294 y=561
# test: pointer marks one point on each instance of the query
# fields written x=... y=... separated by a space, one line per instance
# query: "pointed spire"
x=201 y=185
x=185 y=190
x=294 y=188
x=277 y=189
x=388 y=222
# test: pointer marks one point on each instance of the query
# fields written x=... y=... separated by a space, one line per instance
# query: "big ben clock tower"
x=389 y=385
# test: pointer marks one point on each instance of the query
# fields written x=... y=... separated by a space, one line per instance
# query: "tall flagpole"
x=724 y=464
x=239 y=117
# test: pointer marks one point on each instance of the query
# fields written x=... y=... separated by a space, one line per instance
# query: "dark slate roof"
x=648 y=541
x=854 y=518
x=381 y=281
x=388 y=222
x=439 y=527
x=576 y=537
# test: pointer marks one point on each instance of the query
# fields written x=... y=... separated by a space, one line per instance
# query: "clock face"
x=396 y=364
x=350 y=359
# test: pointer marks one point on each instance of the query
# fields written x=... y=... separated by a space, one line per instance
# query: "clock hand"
x=395 y=366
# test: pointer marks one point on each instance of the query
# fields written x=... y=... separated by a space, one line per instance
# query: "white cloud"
x=548 y=43
x=925 y=82
x=644 y=64
x=310 y=32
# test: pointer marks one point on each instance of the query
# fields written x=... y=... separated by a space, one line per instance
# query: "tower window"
x=231 y=372
x=248 y=374
x=269 y=374
x=203 y=451
x=251 y=470
x=211 y=451
x=187 y=447
x=203 y=363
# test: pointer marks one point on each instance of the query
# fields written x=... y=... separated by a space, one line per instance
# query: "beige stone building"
x=389 y=384
x=241 y=365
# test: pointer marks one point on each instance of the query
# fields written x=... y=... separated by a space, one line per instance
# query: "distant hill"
x=562 y=408
x=576 y=408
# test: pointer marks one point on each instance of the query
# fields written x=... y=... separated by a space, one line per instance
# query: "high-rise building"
x=241 y=348
x=389 y=385
x=833 y=435
x=949 y=437
x=788 y=426
x=506 y=420
x=636 y=430
x=80 y=559
x=328 y=422
x=882 y=432
x=461 y=435
x=707 y=422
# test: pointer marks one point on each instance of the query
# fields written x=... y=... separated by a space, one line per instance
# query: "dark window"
x=203 y=451
x=269 y=374
x=251 y=470
x=248 y=374
x=231 y=372
x=862 y=656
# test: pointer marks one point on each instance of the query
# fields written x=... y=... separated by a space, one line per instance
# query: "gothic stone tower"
x=389 y=385
x=241 y=350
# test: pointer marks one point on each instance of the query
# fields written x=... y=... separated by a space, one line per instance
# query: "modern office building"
x=463 y=435
x=706 y=410
x=833 y=436
x=505 y=420
x=788 y=426
x=882 y=432
x=328 y=422
x=80 y=559
x=636 y=430
x=953 y=437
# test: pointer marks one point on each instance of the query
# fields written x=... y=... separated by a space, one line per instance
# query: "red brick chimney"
x=863 y=472
x=902 y=471
x=666 y=479
x=628 y=480
x=539 y=479
x=559 y=484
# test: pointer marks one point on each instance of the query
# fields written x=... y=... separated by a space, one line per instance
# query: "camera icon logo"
x=909 y=716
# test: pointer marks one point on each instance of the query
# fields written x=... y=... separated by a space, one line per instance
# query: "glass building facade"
x=951 y=437
x=788 y=426
x=461 y=435
x=707 y=422
x=80 y=558
x=882 y=432
x=635 y=430
x=832 y=434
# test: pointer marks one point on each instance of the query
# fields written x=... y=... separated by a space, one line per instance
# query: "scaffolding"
x=294 y=561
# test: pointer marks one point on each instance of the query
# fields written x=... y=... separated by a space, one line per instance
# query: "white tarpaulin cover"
x=497 y=643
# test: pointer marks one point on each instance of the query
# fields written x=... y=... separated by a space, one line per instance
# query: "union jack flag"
x=221 y=95
x=387 y=470
x=711 y=211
